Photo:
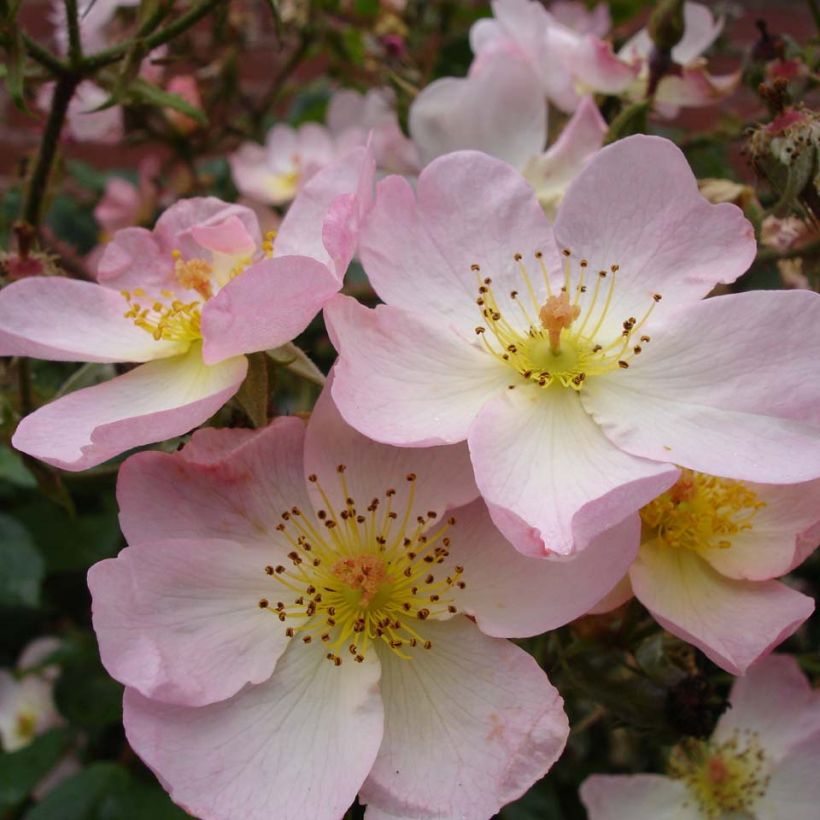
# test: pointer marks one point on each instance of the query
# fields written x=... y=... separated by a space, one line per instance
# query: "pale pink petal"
x=470 y=725
x=444 y=475
x=315 y=147
x=418 y=249
x=272 y=302
x=551 y=479
x=325 y=218
x=296 y=747
x=281 y=144
x=135 y=258
x=403 y=381
x=87 y=122
x=617 y=596
x=703 y=389
x=120 y=205
x=575 y=15
x=776 y=700
x=770 y=548
x=637 y=205
x=499 y=110
x=180 y=620
x=558 y=74
x=794 y=790
x=701 y=29
x=733 y=622
x=637 y=797
x=252 y=177
x=187 y=221
x=153 y=402
x=229 y=236
x=346 y=109
x=231 y=484
x=51 y=317
x=513 y=596
x=596 y=66
x=695 y=87
x=551 y=172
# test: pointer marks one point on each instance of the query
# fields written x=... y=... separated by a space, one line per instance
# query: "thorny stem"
x=75 y=48
x=37 y=185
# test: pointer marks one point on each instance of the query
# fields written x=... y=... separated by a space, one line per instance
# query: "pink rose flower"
x=579 y=378
x=187 y=301
x=290 y=624
x=500 y=109
x=760 y=762
x=711 y=549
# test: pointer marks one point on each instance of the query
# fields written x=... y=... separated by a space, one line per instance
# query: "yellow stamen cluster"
x=556 y=342
x=701 y=512
x=170 y=318
x=268 y=243
x=356 y=577
x=722 y=778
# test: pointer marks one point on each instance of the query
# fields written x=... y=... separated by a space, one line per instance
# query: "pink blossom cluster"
x=544 y=416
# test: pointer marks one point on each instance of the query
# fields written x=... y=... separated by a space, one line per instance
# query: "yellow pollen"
x=167 y=318
x=701 y=512
x=195 y=274
x=355 y=577
x=26 y=725
x=722 y=778
x=565 y=335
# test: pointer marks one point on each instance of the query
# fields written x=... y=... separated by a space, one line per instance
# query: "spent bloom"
x=710 y=550
x=500 y=109
x=186 y=301
x=760 y=763
x=581 y=378
x=290 y=622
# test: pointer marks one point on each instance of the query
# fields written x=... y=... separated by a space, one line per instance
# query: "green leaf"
x=105 y=791
x=13 y=471
x=22 y=565
x=81 y=796
x=141 y=91
x=22 y=770
x=15 y=68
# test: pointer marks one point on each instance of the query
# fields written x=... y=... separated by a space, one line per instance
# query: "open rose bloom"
x=761 y=761
x=290 y=621
x=581 y=363
x=710 y=550
x=186 y=301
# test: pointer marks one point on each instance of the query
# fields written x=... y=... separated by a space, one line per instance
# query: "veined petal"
x=153 y=402
x=297 y=746
x=230 y=484
x=51 y=317
x=551 y=479
x=180 y=620
x=733 y=622
x=722 y=373
x=636 y=204
x=470 y=725
x=272 y=302
x=776 y=700
x=402 y=380
x=419 y=248
x=512 y=595
x=769 y=548
x=637 y=797
x=443 y=475
x=499 y=109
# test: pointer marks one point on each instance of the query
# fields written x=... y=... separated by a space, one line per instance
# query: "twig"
x=75 y=48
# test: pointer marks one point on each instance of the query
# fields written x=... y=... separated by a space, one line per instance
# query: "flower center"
x=701 y=512
x=173 y=319
x=359 y=577
x=566 y=338
x=722 y=778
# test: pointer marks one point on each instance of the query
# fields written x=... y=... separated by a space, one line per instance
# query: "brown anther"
x=657 y=297
x=566 y=252
x=313 y=477
x=411 y=476
x=474 y=267
x=517 y=257
x=290 y=632
x=263 y=603
x=423 y=614
x=269 y=570
x=622 y=364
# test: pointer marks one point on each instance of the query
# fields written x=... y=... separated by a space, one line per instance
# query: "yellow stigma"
x=26 y=725
x=567 y=338
x=359 y=577
x=701 y=512
x=722 y=778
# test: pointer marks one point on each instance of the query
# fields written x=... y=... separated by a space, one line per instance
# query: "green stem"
x=815 y=12
x=158 y=38
x=37 y=185
x=75 y=48
x=44 y=57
